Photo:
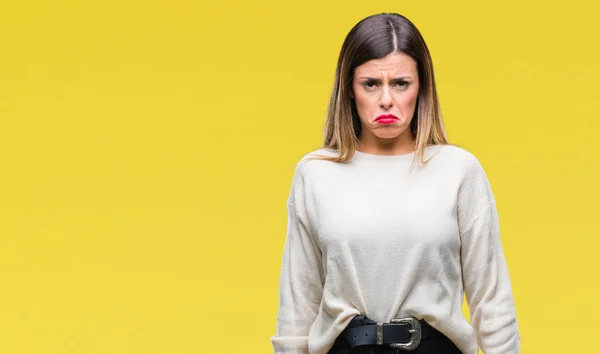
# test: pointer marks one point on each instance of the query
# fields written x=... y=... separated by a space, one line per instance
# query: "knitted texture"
x=372 y=237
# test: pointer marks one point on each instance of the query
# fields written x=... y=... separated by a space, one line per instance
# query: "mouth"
x=386 y=119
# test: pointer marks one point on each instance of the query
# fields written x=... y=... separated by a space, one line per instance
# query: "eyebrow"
x=396 y=79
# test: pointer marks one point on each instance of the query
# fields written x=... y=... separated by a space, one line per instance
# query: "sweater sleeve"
x=485 y=273
x=301 y=277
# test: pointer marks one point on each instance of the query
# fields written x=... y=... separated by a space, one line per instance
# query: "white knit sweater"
x=369 y=238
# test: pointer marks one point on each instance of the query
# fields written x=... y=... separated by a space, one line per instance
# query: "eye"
x=402 y=83
x=369 y=84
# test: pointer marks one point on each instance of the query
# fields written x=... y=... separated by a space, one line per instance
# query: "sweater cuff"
x=290 y=345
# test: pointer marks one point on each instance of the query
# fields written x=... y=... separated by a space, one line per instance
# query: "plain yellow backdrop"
x=147 y=150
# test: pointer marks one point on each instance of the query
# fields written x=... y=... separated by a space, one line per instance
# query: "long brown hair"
x=374 y=37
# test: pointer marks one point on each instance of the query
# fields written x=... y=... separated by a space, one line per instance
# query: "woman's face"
x=386 y=86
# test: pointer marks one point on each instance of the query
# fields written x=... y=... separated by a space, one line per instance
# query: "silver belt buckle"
x=415 y=330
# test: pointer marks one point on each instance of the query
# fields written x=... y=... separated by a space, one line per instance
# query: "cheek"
x=364 y=102
x=408 y=101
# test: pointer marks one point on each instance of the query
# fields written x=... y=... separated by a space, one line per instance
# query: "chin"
x=387 y=136
x=388 y=133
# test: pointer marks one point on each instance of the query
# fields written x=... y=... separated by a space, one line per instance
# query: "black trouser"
x=437 y=343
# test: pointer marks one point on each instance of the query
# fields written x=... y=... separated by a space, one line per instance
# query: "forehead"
x=393 y=63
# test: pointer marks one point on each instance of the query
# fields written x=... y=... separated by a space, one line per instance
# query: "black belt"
x=402 y=333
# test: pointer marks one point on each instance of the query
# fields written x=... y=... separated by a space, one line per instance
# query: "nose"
x=386 y=99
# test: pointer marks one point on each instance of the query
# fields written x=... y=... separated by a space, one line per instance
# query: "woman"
x=378 y=252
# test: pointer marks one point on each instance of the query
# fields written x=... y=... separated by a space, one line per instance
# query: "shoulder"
x=313 y=160
x=460 y=165
x=307 y=170
x=459 y=160
x=457 y=155
x=473 y=182
x=322 y=152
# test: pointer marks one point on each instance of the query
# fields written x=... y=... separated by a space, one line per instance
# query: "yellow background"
x=147 y=150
